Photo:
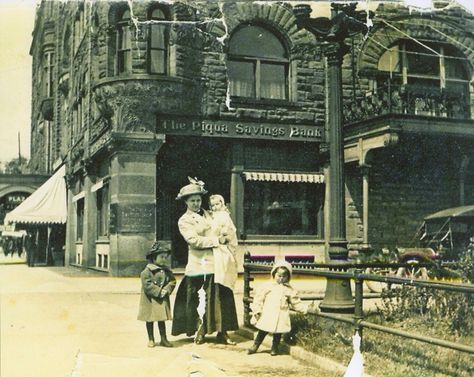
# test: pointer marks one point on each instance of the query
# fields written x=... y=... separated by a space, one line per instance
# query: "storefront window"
x=282 y=208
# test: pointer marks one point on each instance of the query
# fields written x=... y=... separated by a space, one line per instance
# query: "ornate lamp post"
x=345 y=22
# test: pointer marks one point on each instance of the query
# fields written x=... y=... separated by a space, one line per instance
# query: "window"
x=257 y=64
x=124 y=44
x=103 y=211
x=66 y=53
x=79 y=27
x=79 y=219
x=283 y=208
x=48 y=68
x=436 y=65
x=435 y=75
x=157 y=43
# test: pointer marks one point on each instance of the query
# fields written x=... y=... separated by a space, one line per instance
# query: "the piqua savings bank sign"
x=233 y=129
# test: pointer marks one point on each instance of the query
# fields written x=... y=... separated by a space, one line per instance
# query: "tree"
x=14 y=166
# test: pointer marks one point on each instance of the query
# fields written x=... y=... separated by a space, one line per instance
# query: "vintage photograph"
x=236 y=188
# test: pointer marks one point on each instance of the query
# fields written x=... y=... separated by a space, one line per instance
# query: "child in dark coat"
x=158 y=282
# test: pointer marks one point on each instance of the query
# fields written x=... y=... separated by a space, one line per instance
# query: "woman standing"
x=202 y=306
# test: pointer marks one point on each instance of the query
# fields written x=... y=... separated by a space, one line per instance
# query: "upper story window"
x=428 y=64
x=66 y=53
x=430 y=79
x=48 y=68
x=79 y=26
x=124 y=44
x=257 y=64
x=158 y=42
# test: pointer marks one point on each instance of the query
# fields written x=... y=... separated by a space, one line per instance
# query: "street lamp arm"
x=347 y=22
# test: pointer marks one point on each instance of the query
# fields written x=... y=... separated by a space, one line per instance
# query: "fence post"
x=359 y=304
x=247 y=289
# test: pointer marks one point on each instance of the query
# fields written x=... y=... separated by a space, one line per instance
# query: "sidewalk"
x=68 y=324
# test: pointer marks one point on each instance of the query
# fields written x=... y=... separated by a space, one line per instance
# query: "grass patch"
x=385 y=354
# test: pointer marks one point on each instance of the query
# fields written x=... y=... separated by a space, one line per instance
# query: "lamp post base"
x=338 y=297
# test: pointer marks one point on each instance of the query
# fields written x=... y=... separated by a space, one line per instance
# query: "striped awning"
x=284 y=177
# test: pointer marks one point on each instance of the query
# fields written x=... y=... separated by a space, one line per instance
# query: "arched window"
x=435 y=77
x=426 y=64
x=257 y=64
x=124 y=44
x=158 y=42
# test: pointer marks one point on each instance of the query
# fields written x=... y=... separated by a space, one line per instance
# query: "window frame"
x=257 y=62
x=123 y=62
x=319 y=220
x=80 y=212
x=404 y=75
x=151 y=48
x=48 y=69
x=102 y=212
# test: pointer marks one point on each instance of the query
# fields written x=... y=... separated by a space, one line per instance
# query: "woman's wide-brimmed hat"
x=194 y=187
x=159 y=247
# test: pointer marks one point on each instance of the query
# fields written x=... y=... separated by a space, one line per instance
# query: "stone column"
x=90 y=223
x=70 y=247
x=132 y=200
x=237 y=199
x=365 y=205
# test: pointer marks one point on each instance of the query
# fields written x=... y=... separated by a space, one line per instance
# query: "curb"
x=299 y=353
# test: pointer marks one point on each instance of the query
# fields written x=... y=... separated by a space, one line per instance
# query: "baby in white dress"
x=225 y=263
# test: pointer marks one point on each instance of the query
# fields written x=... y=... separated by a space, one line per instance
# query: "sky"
x=16 y=26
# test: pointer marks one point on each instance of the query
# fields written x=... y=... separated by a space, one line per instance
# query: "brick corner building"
x=134 y=100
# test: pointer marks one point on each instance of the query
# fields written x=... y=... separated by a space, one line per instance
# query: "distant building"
x=15 y=188
x=134 y=100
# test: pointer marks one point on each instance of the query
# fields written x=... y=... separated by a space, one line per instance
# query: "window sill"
x=100 y=269
x=235 y=101
x=281 y=239
x=103 y=240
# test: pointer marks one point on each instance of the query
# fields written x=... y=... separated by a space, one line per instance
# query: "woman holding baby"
x=205 y=300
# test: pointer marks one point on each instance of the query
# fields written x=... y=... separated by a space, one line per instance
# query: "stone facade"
x=98 y=108
x=422 y=170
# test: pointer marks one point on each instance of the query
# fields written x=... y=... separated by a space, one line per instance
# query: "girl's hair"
x=281 y=268
x=220 y=198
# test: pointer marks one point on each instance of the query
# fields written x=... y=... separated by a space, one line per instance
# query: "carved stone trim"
x=134 y=143
x=357 y=151
x=371 y=51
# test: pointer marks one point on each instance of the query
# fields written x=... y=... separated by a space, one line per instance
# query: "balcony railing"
x=409 y=100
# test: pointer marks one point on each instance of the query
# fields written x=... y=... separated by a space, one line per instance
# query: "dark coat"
x=157 y=284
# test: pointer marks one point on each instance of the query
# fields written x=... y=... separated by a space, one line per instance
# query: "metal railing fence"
x=355 y=271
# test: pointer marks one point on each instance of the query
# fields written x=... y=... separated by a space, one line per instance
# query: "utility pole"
x=331 y=33
x=19 y=153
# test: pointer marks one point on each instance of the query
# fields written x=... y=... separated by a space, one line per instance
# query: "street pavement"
x=58 y=321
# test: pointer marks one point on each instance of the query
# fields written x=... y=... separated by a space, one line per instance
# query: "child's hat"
x=284 y=264
x=159 y=247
